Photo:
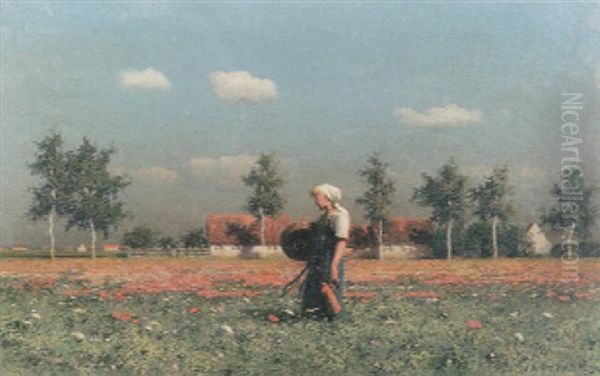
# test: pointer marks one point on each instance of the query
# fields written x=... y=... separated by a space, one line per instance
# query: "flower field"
x=196 y=316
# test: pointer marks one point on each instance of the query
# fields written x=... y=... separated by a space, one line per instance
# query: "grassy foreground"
x=395 y=326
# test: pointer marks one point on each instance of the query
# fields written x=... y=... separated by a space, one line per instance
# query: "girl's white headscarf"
x=333 y=193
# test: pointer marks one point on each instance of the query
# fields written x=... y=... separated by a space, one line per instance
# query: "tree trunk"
x=449 y=238
x=380 y=240
x=51 y=232
x=570 y=240
x=262 y=226
x=495 y=236
x=93 y=245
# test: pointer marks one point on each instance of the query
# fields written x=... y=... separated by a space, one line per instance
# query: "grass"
x=407 y=327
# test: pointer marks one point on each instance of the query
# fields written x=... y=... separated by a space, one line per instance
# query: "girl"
x=326 y=264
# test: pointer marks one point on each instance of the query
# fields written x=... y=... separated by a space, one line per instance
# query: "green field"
x=522 y=332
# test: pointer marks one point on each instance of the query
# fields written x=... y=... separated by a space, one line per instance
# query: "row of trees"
x=76 y=185
x=476 y=219
x=143 y=237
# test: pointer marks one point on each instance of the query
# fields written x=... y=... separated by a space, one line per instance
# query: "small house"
x=539 y=242
x=238 y=234
x=19 y=247
x=82 y=248
x=111 y=247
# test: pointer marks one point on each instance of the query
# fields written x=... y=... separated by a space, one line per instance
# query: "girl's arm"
x=338 y=252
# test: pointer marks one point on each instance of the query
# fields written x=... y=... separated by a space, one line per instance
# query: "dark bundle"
x=297 y=241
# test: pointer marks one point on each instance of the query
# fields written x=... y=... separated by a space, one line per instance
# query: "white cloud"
x=148 y=78
x=520 y=174
x=116 y=170
x=533 y=173
x=156 y=173
x=241 y=86
x=449 y=115
x=224 y=168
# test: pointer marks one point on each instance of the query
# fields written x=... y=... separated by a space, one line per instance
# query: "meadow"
x=205 y=316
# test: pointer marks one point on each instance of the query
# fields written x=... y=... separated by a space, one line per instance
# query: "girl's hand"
x=334 y=274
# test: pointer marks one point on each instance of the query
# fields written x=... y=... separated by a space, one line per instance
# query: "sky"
x=190 y=93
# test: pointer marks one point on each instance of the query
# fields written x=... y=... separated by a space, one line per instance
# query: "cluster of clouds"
x=520 y=174
x=222 y=169
x=229 y=87
x=243 y=87
x=450 y=115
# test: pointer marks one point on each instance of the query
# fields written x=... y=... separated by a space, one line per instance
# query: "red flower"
x=122 y=316
x=474 y=324
x=273 y=318
x=193 y=310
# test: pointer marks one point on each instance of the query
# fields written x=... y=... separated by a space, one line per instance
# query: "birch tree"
x=491 y=202
x=51 y=198
x=446 y=194
x=95 y=191
x=265 y=199
x=378 y=197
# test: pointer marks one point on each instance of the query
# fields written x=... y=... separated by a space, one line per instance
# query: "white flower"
x=36 y=316
x=548 y=315
x=78 y=336
x=520 y=336
x=227 y=328
x=514 y=314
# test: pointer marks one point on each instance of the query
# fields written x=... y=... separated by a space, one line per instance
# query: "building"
x=235 y=234
x=539 y=242
x=82 y=248
x=404 y=237
x=111 y=247
x=19 y=247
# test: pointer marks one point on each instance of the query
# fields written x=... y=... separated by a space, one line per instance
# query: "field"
x=199 y=316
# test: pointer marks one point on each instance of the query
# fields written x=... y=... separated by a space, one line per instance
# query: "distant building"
x=540 y=243
x=111 y=247
x=19 y=247
x=404 y=237
x=235 y=234
x=82 y=248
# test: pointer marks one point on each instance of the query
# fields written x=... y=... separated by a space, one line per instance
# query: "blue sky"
x=320 y=84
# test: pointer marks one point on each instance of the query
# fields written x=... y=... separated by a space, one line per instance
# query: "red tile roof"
x=235 y=228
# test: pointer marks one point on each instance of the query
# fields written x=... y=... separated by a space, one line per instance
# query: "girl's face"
x=321 y=201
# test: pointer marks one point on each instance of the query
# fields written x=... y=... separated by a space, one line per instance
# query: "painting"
x=283 y=188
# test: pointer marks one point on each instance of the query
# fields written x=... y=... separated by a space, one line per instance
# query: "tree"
x=491 y=203
x=96 y=206
x=446 y=194
x=378 y=197
x=575 y=212
x=167 y=243
x=140 y=237
x=265 y=199
x=52 y=197
x=194 y=238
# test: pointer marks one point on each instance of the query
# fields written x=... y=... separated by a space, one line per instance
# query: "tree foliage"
x=446 y=194
x=194 y=238
x=95 y=191
x=378 y=197
x=141 y=237
x=265 y=180
x=52 y=197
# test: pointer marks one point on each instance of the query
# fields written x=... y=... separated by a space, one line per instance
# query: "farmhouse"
x=540 y=243
x=111 y=247
x=19 y=247
x=404 y=237
x=238 y=234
